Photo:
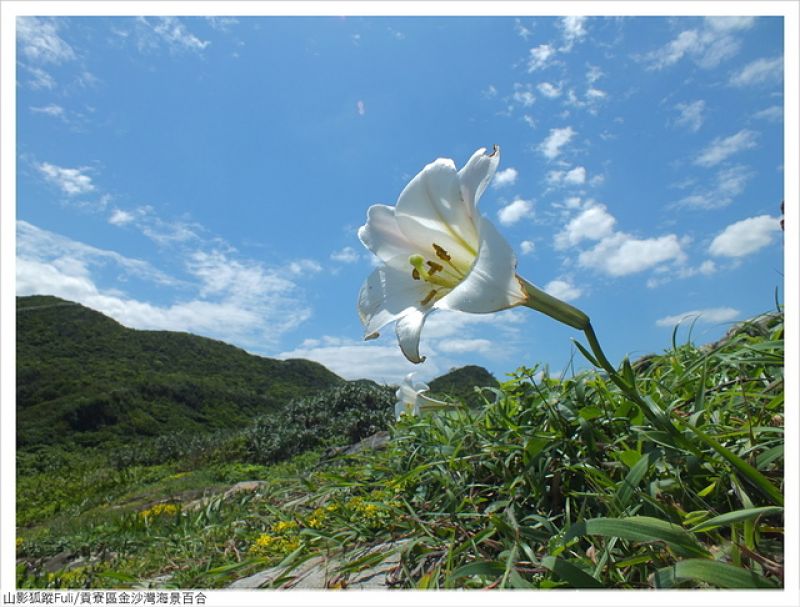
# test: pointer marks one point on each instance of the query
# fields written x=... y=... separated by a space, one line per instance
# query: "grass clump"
x=552 y=482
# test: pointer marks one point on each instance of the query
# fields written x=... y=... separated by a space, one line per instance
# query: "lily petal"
x=492 y=284
x=408 y=328
x=476 y=175
x=389 y=293
x=399 y=409
x=382 y=235
x=430 y=210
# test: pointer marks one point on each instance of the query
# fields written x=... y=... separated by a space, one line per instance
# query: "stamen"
x=428 y=297
x=435 y=267
x=418 y=263
x=441 y=253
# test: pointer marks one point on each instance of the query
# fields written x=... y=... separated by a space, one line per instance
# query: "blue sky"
x=209 y=175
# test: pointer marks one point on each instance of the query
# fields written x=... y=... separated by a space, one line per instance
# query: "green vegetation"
x=551 y=482
x=460 y=384
x=84 y=378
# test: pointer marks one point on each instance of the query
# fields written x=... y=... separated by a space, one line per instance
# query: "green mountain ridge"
x=85 y=380
x=83 y=377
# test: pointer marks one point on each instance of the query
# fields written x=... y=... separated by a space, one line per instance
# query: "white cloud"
x=688 y=41
x=593 y=223
x=240 y=280
x=505 y=178
x=563 y=290
x=490 y=92
x=523 y=94
x=40 y=78
x=575 y=176
x=515 y=211
x=301 y=267
x=353 y=359
x=360 y=108
x=56 y=111
x=527 y=247
x=760 y=71
x=548 y=90
x=222 y=24
x=727 y=24
x=166 y=233
x=463 y=346
x=722 y=148
x=745 y=237
x=345 y=255
x=708 y=45
x=120 y=218
x=691 y=115
x=39 y=41
x=718 y=50
x=729 y=183
x=593 y=74
x=522 y=31
x=707 y=268
x=707 y=315
x=239 y=301
x=169 y=31
x=621 y=254
x=594 y=94
x=540 y=57
x=773 y=113
x=445 y=333
x=41 y=246
x=71 y=181
x=558 y=138
x=573 y=30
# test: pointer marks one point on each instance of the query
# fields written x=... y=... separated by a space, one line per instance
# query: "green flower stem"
x=563 y=312
x=555 y=308
x=662 y=420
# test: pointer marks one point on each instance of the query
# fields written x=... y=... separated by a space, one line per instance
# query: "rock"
x=242 y=487
x=58 y=562
x=372 y=443
x=67 y=561
x=322 y=572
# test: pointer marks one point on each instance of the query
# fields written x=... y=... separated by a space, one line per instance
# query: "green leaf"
x=586 y=354
x=575 y=577
x=714 y=573
x=534 y=446
x=628 y=374
x=628 y=485
x=629 y=457
x=735 y=517
x=590 y=412
x=750 y=473
x=486 y=568
x=707 y=490
x=640 y=529
x=769 y=456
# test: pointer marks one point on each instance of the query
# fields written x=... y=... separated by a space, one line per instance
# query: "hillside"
x=85 y=379
x=552 y=483
x=461 y=383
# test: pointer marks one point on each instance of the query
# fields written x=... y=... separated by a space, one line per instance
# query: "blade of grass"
x=714 y=573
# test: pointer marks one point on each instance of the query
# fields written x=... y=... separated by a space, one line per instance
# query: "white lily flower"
x=440 y=253
x=412 y=401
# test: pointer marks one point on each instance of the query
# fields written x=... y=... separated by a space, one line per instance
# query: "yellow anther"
x=441 y=253
x=428 y=297
x=435 y=267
